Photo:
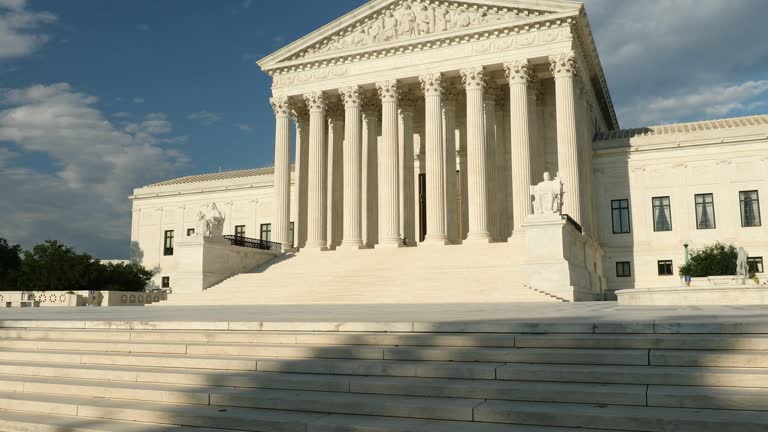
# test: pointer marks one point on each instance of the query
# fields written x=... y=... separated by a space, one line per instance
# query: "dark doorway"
x=422 y=207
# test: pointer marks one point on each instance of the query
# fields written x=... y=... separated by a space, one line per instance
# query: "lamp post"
x=687 y=259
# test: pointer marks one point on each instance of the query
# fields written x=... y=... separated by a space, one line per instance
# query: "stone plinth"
x=206 y=261
x=724 y=295
x=560 y=260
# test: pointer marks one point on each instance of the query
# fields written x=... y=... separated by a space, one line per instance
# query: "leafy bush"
x=53 y=266
x=713 y=260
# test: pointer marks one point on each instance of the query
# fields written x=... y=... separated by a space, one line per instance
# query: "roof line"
x=678 y=128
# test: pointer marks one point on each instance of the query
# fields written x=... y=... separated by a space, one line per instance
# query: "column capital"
x=335 y=109
x=474 y=78
x=351 y=96
x=518 y=72
x=407 y=101
x=388 y=90
x=432 y=84
x=299 y=111
x=315 y=101
x=280 y=105
x=563 y=65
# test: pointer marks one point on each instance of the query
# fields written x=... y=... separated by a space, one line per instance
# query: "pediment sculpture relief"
x=411 y=19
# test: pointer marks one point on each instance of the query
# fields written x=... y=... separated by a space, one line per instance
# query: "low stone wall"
x=78 y=298
x=709 y=295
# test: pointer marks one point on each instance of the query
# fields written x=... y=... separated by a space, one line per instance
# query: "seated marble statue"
x=742 y=264
x=210 y=221
x=547 y=196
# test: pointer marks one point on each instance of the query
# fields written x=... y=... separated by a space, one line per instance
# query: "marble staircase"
x=142 y=376
x=437 y=274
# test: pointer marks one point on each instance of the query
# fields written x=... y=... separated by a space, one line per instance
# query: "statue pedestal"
x=206 y=261
x=562 y=261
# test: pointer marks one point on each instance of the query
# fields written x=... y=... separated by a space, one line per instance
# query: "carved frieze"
x=411 y=19
x=310 y=75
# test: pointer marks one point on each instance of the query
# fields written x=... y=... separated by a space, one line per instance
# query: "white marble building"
x=417 y=124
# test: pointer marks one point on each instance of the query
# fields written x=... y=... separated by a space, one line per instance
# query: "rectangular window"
x=166 y=283
x=755 y=265
x=750 y=209
x=620 y=210
x=190 y=232
x=705 y=211
x=665 y=268
x=623 y=269
x=168 y=243
x=662 y=214
x=291 y=234
x=240 y=231
x=266 y=232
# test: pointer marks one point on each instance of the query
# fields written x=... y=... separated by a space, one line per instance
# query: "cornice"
x=683 y=128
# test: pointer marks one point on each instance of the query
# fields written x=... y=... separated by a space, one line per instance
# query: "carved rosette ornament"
x=432 y=84
x=563 y=65
x=351 y=96
x=388 y=91
x=474 y=78
x=518 y=72
x=315 y=101
x=281 y=106
x=408 y=100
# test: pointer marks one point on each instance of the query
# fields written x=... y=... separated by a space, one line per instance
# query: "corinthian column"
x=563 y=67
x=477 y=169
x=301 y=117
x=489 y=120
x=451 y=181
x=407 y=104
x=316 y=187
x=282 y=218
x=432 y=85
x=353 y=181
x=389 y=197
x=335 y=170
x=500 y=165
x=519 y=76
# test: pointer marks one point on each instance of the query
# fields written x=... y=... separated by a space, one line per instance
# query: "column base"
x=478 y=238
x=288 y=248
x=315 y=247
x=436 y=241
x=352 y=245
x=390 y=245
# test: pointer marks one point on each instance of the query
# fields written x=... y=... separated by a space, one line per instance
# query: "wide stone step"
x=750 y=359
x=191 y=388
x=465 y=370
x=645 y=419
x=659 y=375
x=17 y=421
x=671 y=342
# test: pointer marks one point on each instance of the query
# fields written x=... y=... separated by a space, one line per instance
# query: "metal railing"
x=254 y=243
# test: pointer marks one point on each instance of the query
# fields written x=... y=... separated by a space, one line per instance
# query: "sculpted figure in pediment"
x=463 y=20
x=424 y=20
x=407 y=21
x=442 y=19
x=389 y=26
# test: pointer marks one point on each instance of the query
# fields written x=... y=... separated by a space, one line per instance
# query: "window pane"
x=705 y=211
x=750 y=209
x=662 y=214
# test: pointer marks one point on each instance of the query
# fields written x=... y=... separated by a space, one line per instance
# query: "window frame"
x=240 y=231
x=165 y=282
x=741 y=208
x=653 y=212
x=665 y=263
x=268 y=231
x=759 y=266
x=624 y=265
x=620 y=210
x=168 y=238
x=704 y=203
x=190 y=232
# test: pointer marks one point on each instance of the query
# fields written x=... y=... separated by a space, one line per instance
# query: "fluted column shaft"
x=477 y=169
x=353 y=180
x=489 y=120
x=564 y=69
x=316 y=188
x=301 y=117
x=432 y=85
x=371 y=172
x=519 y=76
x=389 y=196
x=500 y=165
x=282 y=209
x=407 y=103
x=451 y=180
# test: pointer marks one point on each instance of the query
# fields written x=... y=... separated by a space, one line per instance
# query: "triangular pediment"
x=383 y=23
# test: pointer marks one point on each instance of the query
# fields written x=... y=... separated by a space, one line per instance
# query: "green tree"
x=121 y=277
x=52 y=266
x=10 y=264
x=713 y=260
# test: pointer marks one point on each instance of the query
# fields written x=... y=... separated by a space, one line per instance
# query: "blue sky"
x=98 y=97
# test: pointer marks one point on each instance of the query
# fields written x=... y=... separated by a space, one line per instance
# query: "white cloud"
x=19 y=29
x=205 y=117
x=121 y=114
x=82 y=197
x=138 y=100
x=708 y=102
